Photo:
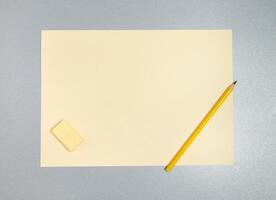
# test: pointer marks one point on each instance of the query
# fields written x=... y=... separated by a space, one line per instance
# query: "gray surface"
x=254 y=30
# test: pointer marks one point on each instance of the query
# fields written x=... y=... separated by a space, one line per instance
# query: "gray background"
x=254 y=61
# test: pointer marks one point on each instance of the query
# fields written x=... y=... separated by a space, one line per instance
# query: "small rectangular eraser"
x=66 y=135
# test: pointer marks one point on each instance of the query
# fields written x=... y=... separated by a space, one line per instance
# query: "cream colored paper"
x=135 y=96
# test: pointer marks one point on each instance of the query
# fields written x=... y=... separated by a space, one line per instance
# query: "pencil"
x=200 y=126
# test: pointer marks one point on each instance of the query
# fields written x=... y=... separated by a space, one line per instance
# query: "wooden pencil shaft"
x=199 y=127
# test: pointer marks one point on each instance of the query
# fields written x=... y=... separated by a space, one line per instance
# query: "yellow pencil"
x=200 y=126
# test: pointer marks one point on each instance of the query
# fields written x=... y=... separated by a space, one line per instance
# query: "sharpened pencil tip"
x=235 y=82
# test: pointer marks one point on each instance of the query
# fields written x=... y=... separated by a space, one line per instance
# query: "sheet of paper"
x=135 y=96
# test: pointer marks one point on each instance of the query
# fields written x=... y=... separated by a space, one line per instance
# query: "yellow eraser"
x=66 y=135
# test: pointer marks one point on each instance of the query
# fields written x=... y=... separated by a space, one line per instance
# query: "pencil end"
x=167 y=169
x=234 y=82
